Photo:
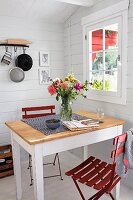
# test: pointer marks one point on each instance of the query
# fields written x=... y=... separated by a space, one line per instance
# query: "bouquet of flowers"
x=67 y=90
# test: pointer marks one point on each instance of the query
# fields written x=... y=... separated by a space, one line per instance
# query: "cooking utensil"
x=7 y=58
x=24 y=61
x=17 y=74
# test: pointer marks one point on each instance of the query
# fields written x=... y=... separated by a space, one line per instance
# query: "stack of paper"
x=78 y=125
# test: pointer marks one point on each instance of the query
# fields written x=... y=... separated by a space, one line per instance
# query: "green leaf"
x=57 y=97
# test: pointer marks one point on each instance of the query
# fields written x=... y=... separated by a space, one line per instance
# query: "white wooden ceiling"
x=44 y=10
x=78 y=2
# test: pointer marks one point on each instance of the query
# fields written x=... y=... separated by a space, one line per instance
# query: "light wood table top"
x=33 y=136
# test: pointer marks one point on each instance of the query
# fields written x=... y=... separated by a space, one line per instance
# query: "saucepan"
x=24 y=61
x=16 y=74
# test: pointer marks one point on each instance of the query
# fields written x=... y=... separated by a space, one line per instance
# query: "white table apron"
x=47 y=148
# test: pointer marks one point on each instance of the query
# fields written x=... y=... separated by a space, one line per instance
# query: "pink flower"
x=64 y=85
x=78 y=86
x=57 y=82
x=51 y=89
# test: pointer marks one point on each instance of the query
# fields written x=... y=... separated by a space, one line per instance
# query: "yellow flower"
x=74 y=81
x=71 y=78
x=83 y=86
x=66 y=79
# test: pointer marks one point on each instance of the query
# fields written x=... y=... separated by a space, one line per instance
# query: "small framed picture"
x=44 y=58
x=44 y=76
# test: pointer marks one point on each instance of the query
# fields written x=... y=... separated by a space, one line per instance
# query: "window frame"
x=117 y=13
x=99 y=26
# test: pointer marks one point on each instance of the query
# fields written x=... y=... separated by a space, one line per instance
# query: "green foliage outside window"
x=110 y=68
x=99 y=85
x=110 y=60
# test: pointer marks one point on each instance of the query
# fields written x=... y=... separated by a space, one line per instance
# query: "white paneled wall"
x=14 y=96
x=74 y=62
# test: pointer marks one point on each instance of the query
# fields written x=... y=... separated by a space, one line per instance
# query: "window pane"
x=97 y=40
x=111 y=59
x=96 y=78
x=97 y=61
x=103 y=58
x=110 y=81
x=111 y=36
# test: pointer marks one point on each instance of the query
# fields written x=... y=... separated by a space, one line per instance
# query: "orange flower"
x=64 y=85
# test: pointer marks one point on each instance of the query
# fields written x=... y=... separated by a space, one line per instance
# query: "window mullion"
x=90 y=54
x=104 y=58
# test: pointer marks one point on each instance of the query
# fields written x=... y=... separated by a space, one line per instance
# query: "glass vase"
x=66 y=110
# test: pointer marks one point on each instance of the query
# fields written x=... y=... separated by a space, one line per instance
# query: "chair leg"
x=56 y=155
x=60 y=173
x=98 y=194
x=53 y=163
x=31 y=179
x=111 y=196
x=29 y=167
x=78 y=188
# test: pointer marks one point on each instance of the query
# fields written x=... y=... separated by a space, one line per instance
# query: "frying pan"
x=17 y=74
x=24 y=61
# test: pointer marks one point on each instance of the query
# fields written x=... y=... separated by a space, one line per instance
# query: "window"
x=103 y=58
x=105 y=53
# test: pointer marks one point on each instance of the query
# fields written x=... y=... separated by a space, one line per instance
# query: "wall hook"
x=6 y=48
x=24 y=49
x=15 y=49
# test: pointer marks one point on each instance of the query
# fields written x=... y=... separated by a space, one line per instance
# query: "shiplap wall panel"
x=16 y=111
x=74 y=57
x=76 y=39
x=14 y=96
x=5 y=137
x=22 y=95
x=3 y=129
x=130 y=68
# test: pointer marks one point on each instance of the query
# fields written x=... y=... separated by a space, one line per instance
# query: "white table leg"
x=17 y=167
x=117 y=188
x=117 y=191
x=85 y=152
x=37 y=166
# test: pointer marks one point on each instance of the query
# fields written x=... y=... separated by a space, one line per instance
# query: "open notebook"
x=82 y=124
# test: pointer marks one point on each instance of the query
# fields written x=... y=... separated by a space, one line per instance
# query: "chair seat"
x=94 y=173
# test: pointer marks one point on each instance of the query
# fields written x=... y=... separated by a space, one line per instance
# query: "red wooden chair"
x=43 y=111
x=98 y=174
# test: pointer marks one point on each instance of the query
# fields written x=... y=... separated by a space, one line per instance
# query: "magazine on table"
x=81 y=124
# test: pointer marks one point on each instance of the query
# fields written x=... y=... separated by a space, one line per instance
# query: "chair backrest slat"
x=49 y=109
x=119 y=142
x=120 y=139
x=116 y=153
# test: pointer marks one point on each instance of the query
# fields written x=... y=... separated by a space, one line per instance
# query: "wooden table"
x=38 y=145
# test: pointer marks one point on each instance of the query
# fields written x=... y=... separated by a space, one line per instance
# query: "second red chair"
x=98 y=174
x=41 y=111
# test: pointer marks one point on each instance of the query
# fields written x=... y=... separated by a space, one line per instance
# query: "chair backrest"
x=49 y=109
x=119 y=142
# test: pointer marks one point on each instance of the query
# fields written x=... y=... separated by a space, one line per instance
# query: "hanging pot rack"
x=24 y=46
x=15 y=45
